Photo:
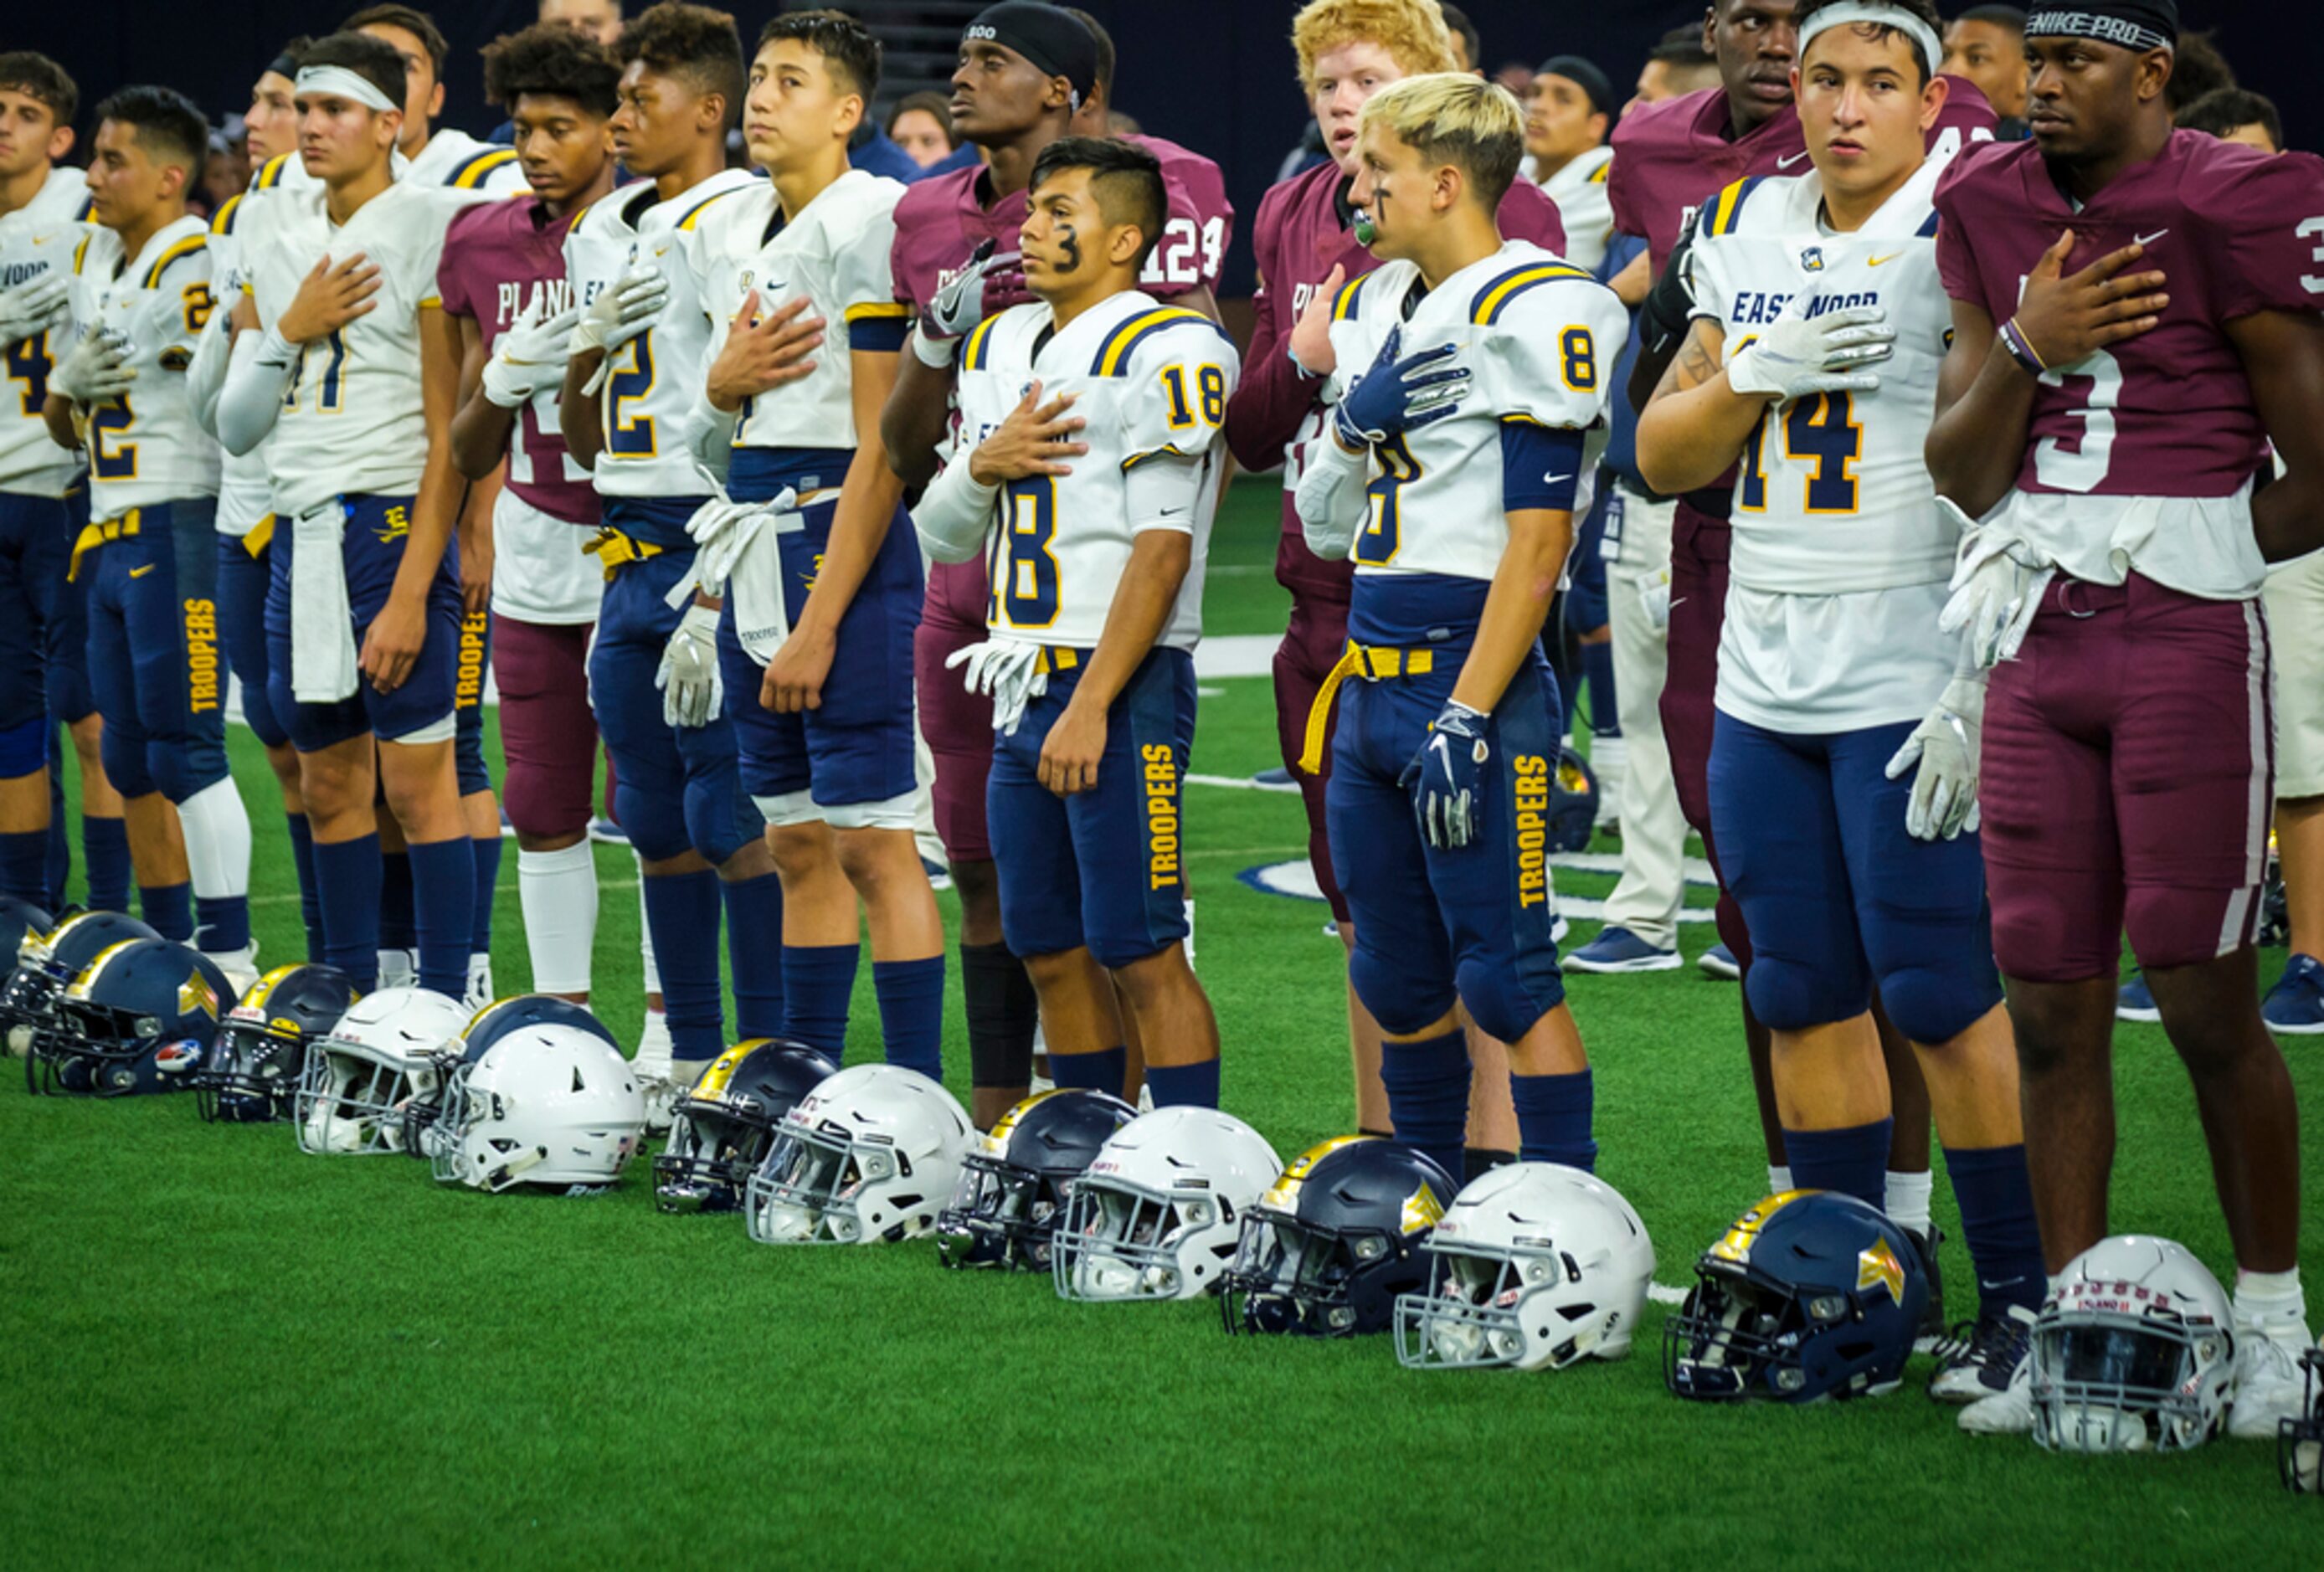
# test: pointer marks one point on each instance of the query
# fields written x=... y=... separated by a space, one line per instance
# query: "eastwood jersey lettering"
x=655 y=381
x=351 y=423
x=1840 y=555
x=835 y=255
x=1152 y=380
x=37 y=238
x=1539 y=338
x=147 y=448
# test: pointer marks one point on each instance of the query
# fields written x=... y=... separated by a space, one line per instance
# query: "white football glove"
x=1946 y=746
x=1997 y=587
x=34 y=307
x=724 y=530
x=692 y=692
x=530 y=356
x=1655 y=600
x=1798 y=355
x=95 y=370
x=1006 y=672
x=628 y=307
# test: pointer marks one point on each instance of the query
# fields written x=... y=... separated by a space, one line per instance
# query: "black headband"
x=1050 y=38
x=1587 y=76
x=283 y=65
x=2137 y=25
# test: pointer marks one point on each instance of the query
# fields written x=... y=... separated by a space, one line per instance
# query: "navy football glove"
x=1396 y=395
x=1447 y=777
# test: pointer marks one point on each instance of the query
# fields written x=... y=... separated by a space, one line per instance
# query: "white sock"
x=1779 y=1178
x=653 y=1046
x=1908 y=1200
x=684 y=1072
x=218 y=841
x=645 y=935
x=557 y=893
x=1189 y=940
x=2273 y=1302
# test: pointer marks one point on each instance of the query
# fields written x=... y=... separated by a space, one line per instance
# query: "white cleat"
x=398 y=968
x=2268 y=1387
x=240 y=966
x=480 y=981
x=2007 y=1412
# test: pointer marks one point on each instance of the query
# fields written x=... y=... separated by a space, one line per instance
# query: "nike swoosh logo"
x=1171 y=512
x=141 y=572
x=1873 y=261
x=2150 y=239
x=1552 y=480
x=1787 y=164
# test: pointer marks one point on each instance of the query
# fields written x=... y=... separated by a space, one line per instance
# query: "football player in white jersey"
x=1471 y=407
x=815 y=643
x=1568 y=118
x=1087 y=471
x=447 y=158
x=142 y=296
x=37 y=236
x=633 y=393
x=350 y=386
x=1846 y=820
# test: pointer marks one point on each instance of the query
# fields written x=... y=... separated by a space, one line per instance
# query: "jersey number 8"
x=1025 y=582
x=1378 y=542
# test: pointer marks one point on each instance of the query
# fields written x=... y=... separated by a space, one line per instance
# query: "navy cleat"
x=2135 y=1001
x=2294 y=1006
x=1719 y=961
x=1983 y=1357
x=1617 y=950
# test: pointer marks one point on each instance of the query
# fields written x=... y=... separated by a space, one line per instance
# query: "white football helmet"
x=1533 y=1266
x=381 y=1055
x=1157 y=1213
x=550 y=1105
x=871 y=1153
x=2134 y=1347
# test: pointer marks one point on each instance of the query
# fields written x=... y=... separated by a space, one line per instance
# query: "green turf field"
x=225 y=1353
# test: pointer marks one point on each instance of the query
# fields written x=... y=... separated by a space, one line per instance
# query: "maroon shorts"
x=1698 y=610
x=1312 y=646
x=956 y=724
x=548 y=734
x=2129 y=771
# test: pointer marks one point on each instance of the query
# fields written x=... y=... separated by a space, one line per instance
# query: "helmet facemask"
x=1499 y=1306
x=352 y=1100
x=823 y=1187
x=714 y=1149
x=1736 y=1337
x=1002 y=1215
x=1293 y=1276
x=1122 y=1241
x=2120 y=1381
x=252 y=1074
x=2300 y=1442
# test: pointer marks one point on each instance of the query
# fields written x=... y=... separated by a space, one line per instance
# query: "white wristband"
x=935 y=353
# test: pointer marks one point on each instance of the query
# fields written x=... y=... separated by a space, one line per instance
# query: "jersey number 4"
x=29 y=363
x=1821 y=431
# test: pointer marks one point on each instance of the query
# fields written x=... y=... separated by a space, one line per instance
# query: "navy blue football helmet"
x=1573 y=804
x=1810 y=1294
x=17 y=919
x=46 y=961
x=1328 y=1248
x=138 y=1018
x=252 y=1071
x=485 y=1028
x=1016 y=1180
x=721 y=1129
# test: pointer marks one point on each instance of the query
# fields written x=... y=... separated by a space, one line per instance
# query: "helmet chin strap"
x=509 y=1173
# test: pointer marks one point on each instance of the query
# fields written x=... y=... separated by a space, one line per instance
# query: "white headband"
x=342 y=83
x=1852 y=11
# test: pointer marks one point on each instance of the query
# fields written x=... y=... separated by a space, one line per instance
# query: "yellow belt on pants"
x=93 y=536
x=614 y=550
x=1371 y=661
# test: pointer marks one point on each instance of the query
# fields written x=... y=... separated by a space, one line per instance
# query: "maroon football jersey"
x=1302 y=234
x=2168 y=413
x=499 y=257
x=1672 y=157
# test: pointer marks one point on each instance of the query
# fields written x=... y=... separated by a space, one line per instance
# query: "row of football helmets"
x=1809 y=1295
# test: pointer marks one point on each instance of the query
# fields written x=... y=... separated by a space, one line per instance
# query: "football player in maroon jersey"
x=2135 y=318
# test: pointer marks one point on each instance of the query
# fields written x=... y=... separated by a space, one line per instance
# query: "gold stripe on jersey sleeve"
x=1494 y=297
x=1722 y=212
x=481 y=166
x=1344 y=307
x=1124 y=338
x=1600 y=175
x=871 y=310
x=272 y=175
x=223 y=223
x=186 y=247
x=694 y=214
x=980 y=338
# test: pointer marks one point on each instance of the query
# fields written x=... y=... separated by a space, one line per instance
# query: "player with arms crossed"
x=1309 y=243
x=349 y=383
x=1087 y=471
x=2135 y=317
x=1817 y=294
x=633 y=393
x=503 y=286
x=816 y=640
x=143 y=297
x=1471 y=408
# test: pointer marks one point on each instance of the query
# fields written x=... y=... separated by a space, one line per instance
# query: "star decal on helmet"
x=196 y=997
x=1878 y=1265
x=1422 y=1209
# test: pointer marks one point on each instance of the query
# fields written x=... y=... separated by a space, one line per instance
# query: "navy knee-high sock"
x=911 y=1012
x=104 y=861
x=1188 y=1085
x=1996 y=1208
x=56 y=848
x=1554 y=1116
x=1853 y=1161
x=818 y=981
x=682 y=911
x=1597 y=671
x=168 y=909
x=444 y=914
x=755 y=953
x=398 y=916
x=346 y=889
x=1104 y=1070
x=24 y=866
x=310 y=899
x=1427 y=1086
x=487 y=881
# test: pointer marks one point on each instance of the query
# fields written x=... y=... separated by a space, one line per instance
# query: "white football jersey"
x=1539 y=338
x=1840 y=557
x=649 y=400
x=352 y=423
x=147 y=448
x=1151 y=379
x=835 y=255
x=244 y=494
x=42 y=236
x=1584 y=205
x=457 y=162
